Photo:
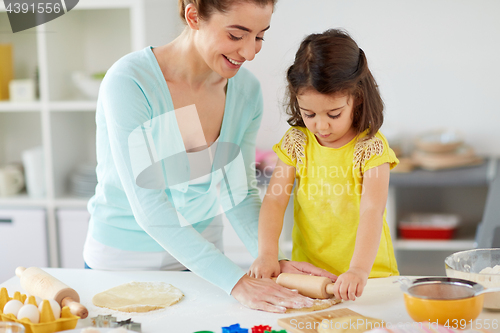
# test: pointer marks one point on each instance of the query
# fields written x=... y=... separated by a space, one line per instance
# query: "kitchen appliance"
x=488 y=231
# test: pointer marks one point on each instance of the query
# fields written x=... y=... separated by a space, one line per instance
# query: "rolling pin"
x=40 y=283
x=307 y=285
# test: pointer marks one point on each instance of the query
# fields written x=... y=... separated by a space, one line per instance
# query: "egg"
x=13 y=307
x=29 y=311
x=38 y=300
x=56 y=308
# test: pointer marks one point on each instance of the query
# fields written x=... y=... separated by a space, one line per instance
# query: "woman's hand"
x=300 y=267
x=266 y=295
x=350 y=284
x=264 y=267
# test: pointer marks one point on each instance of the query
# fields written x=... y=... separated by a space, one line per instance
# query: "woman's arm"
x=271 y=221
x=124 y=107
x=372 y=206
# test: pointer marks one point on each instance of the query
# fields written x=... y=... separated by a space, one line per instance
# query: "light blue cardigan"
x=137 y=134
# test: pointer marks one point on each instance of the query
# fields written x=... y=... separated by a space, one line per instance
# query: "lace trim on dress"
x=294 y=143
x=365 y=149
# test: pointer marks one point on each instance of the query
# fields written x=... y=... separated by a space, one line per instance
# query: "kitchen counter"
x=206 y=307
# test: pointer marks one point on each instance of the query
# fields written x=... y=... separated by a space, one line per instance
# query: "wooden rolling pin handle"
x=19 y=271
x=329 y=288
x=74 y=307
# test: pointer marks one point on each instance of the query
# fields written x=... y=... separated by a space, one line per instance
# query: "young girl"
x=341 y=165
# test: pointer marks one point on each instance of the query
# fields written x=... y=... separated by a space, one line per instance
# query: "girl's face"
x=329 y=117
x=226 y=40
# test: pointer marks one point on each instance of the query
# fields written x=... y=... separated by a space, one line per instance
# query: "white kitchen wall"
x=436 y=61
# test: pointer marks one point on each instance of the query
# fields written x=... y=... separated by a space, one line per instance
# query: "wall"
x=436 y=61
x=163 y=23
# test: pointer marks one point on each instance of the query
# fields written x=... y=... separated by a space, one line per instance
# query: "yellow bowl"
x=442 y=311
x=447 y=301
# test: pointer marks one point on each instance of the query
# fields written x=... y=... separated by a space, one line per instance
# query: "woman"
x=176 y=128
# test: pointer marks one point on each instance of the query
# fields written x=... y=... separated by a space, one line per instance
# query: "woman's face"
x=226 y=40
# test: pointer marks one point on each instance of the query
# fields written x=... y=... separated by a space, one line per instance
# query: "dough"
x=349 y=324
x=319 y=304
x=138 y=297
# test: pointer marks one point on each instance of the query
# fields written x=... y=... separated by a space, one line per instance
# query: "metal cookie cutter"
x=110 y=321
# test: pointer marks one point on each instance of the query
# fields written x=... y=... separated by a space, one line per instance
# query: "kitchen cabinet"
x=72 y=230
x=88 y=39
x=23 y=240
x=459 y=191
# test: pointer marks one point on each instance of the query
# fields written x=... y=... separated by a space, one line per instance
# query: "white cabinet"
x=72 y=226
x=23 y=240
x=88 y=39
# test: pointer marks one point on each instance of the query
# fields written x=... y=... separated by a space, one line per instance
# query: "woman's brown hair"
x=329 y=63
x=207 y=7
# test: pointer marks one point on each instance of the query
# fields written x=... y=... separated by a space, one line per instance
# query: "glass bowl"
x=467 y=265
x=11 y=327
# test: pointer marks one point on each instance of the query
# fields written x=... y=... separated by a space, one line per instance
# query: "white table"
x=207 y=308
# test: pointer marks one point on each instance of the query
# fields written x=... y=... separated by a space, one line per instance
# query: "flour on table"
x=319 y=304
x=95 y=330
x=138 y=297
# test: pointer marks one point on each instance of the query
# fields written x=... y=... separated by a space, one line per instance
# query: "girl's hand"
x=266 y=295
x=264 y=267
x=300 y=267
x=350 y=284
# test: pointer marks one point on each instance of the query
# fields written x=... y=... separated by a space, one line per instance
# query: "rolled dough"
x=350 y=324
x=138 y=297
x=319 y=304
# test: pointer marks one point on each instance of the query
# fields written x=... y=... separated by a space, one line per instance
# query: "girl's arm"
x=371 y=211
x=271 y=221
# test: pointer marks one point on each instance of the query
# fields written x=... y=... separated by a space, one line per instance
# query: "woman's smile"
x=233 y=63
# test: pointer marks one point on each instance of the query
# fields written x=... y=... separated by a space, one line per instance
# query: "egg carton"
x=48 y=324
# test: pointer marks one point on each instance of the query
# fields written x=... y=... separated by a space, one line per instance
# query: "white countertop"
x=207 y=308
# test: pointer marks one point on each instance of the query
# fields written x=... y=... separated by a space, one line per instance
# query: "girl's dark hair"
x=332 y=62
x=207 y=7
